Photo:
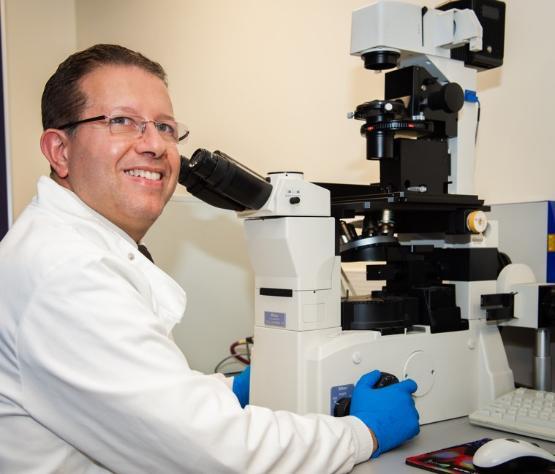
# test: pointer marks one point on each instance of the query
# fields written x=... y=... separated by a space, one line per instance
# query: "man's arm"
x=99 y=371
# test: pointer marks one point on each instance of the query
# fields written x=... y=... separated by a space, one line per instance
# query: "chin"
x=145 y=215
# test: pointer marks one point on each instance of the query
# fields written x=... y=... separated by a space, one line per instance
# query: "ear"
x=54 y=146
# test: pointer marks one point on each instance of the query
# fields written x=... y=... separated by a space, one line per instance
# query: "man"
x=90 y=379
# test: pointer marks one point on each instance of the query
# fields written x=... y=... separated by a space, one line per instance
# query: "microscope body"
x=427 y=322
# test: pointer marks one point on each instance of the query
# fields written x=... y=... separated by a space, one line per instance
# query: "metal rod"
x=542 y=360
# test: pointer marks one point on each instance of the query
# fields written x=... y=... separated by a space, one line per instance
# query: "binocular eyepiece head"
x=219 y=180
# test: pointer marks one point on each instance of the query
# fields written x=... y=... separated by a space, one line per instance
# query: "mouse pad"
x=457 y=459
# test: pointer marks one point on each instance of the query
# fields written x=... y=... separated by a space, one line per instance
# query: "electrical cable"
x=223 y=361
x=477 y=121
x=248 y=352
x=239 y=357
x=236 y=356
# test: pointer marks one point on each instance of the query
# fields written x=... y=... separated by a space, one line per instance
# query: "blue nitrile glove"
x=241 y=386
x=388 y=411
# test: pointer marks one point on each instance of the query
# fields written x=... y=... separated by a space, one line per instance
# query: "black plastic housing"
x=491 y=15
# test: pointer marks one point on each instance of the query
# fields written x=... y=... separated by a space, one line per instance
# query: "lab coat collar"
x=170 y=298
x=53 y=196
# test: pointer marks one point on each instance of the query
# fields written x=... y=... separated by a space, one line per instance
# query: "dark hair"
x=62 y=98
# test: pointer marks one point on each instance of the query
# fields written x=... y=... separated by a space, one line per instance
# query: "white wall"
x=515 y=159
x=39 y=35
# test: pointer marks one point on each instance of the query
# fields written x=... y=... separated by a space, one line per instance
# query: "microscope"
x=421 y=230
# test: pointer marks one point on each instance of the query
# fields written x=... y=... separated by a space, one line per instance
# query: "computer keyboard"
x=524 y=411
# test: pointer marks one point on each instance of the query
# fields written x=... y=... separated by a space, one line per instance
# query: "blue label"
x=338 y=392
x=550 y=273
x=470 y=96
x=274 y=319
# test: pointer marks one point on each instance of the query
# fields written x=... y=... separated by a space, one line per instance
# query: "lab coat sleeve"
x=98 y=369
x=227 y=380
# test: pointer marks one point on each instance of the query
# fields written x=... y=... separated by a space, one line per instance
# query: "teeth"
x=144 y=174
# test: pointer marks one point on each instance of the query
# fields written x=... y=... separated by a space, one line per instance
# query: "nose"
x=151 y=142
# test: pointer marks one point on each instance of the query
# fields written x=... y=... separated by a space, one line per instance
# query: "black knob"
x=342 y=407
x=450 y=98
x=295 y=200
x=385 y=379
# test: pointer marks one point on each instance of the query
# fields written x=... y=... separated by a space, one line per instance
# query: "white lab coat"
x=90 y=380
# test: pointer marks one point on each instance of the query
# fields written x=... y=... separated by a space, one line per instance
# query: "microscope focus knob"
x=342 y=407
x=449 y=98
x=476 y=222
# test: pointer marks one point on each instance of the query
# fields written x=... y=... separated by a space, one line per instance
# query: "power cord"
x=236 y=354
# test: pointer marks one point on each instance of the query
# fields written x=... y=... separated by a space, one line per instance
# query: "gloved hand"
x=388 y=411
x=241 y=386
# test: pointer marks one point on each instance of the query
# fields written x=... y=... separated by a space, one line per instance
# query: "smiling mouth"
x=150 y=175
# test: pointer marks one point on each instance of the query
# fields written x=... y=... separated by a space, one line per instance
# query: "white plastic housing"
x=399 y=26
x=292 y=196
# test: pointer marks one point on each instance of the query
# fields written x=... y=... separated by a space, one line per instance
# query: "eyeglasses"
x=133 y=126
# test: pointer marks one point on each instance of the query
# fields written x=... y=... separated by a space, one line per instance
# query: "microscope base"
x=456 y=372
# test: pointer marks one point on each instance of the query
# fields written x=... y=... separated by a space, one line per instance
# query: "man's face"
x=101 y=165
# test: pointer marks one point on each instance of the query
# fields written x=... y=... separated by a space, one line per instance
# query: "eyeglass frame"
x=142 y=129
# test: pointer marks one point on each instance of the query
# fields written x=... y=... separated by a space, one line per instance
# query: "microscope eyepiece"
x=219 y=180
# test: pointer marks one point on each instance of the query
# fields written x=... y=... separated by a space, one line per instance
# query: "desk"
x=431 y=438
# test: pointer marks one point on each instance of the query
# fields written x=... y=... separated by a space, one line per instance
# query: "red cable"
x=236 y=355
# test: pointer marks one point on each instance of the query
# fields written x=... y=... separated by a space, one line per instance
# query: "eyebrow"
x=132 y=111
x=166 y=117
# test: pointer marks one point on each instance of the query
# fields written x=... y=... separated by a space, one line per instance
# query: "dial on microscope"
x=343 y=405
